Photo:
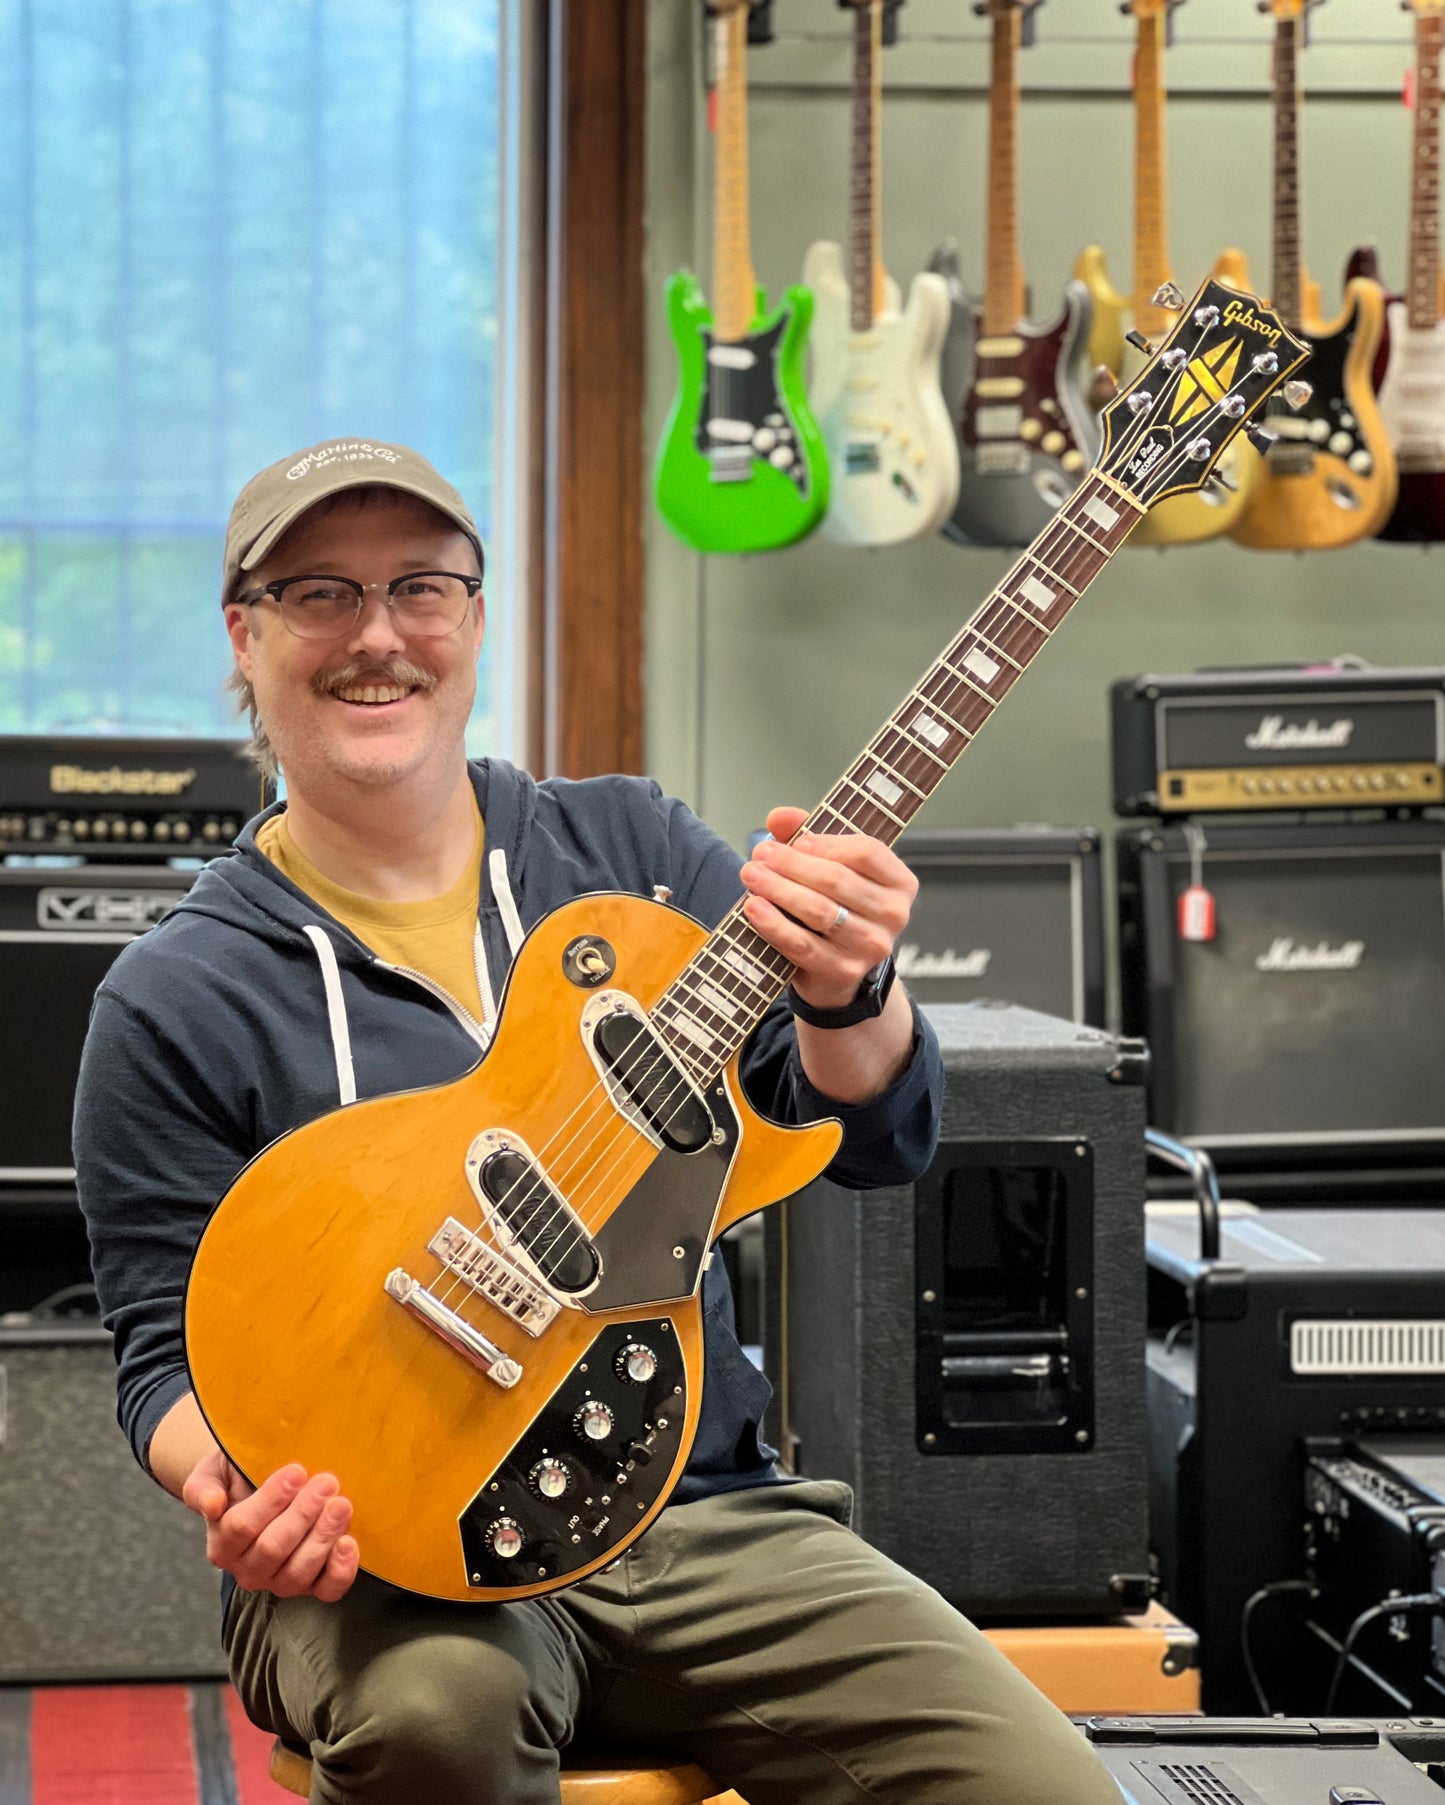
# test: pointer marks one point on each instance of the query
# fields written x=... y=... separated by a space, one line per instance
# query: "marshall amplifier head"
x=1013 y=914
x=126 y=798
x=1290 y=981
x=61 y=928
x=1308 y=737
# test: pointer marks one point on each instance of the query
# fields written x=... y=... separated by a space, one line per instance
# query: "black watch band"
x=868 y=1003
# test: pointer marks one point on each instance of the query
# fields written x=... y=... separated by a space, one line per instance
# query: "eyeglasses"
x=424 y=604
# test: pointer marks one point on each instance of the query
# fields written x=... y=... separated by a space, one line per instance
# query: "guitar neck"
x=1003 y=305
x=734 y=284
x=1151 y=252
x=1288 y=274
x=1423 y=292
x=720 y=997
x=865 y=256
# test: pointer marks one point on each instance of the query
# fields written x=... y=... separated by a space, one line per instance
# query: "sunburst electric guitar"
x=876 y=387
x=479 y=1304
x=742 y=466
x=1027 y=433
x=1330 y=477
x=1122 y=323
x=1412 y=395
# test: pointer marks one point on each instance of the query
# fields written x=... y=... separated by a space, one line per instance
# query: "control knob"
x=550 y=1477
x=593 y=1422
x=505 y=1539
x=636 y=1363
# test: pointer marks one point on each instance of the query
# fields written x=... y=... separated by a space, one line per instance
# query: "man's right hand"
x=287 y=1537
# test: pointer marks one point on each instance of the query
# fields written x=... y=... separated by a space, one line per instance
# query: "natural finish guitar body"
x=298 y=1352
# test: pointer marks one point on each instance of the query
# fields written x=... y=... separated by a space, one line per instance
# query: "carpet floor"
x=131 y=1745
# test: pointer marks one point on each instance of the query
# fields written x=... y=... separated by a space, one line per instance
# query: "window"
x=227 y=230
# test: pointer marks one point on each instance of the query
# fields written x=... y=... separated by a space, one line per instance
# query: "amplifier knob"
x=100 y=830
x=138 y=830
x=1286 y=785
x=636 y=1363
x=230 y=829
x=550 y=1477
x=1251 y=786
x=593 y=1422
x=163 y=830
x=505 y=1539
x=1377 y=780
x=82 y=830
x=210 y=831
x=1358 y=780
x=181 y=830
x=1306 y=786
x=1402 y=779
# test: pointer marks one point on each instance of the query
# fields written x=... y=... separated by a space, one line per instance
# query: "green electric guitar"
x=742 y=466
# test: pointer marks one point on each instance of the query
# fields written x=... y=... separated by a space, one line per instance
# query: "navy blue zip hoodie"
x=249 y=1010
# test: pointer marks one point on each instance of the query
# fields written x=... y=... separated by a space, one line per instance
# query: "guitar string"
x=676 y=1082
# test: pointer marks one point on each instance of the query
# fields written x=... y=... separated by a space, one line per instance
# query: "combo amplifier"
x=1309 y=737
x=61 y=928
x=967 y=1351
x=1271 y=1761
x=126 y=798
x=1312 y=1021
x=102 y=1574
x=1009 y=913
x=1310 y=1324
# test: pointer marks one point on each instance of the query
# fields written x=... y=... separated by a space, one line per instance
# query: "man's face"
x=310 y=693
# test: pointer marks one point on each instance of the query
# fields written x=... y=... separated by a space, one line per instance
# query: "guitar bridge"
x=493 y=1276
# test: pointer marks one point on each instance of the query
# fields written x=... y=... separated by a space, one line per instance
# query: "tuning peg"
x=1104 y=383
x=1260 y=437
x=1140 y=343
x=1168 y=297
x=1296 y=393
x=1197 y=450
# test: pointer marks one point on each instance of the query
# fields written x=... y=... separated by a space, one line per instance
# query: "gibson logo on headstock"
x=1239 y=313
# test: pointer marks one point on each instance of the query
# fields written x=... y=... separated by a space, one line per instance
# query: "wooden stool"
x=686 y=1785
x=1132 y=1664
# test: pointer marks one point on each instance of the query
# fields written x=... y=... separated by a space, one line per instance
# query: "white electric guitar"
x=875 y=385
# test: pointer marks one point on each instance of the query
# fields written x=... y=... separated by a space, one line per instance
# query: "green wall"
x=766 y=674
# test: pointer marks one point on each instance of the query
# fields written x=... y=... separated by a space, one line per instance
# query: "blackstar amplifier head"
x=1329 y=736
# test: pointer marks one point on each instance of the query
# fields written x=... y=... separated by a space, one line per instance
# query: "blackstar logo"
x=131 y=911
x=913 y=962
x=1239 y=313
x=74 y=780
x=1273 y=735
x=1284 y=955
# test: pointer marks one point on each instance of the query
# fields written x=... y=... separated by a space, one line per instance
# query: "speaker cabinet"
x=102 y=1575
x=1008 y=913
x=967 y=1352
x=1312 y=1020
x=61 y=930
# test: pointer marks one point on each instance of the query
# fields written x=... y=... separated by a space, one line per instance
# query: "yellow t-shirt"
x=435 y=937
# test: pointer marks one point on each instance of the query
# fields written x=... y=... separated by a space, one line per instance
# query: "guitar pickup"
x=730 y=463
x=493 y=1276
x=500 y=1368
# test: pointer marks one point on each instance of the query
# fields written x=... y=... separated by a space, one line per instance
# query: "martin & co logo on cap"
x=341 y=451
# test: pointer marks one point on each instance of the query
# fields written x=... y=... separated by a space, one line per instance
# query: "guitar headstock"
x=1287 y=9
x=1427 y=9
x=1154 y=9
x=1224 y=358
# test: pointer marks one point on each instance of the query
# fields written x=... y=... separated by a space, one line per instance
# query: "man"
x=354 y=945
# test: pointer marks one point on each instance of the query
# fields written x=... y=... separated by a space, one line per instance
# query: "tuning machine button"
x=1260 y=437
x=593 y=1422
x=1205 y=317
x=1168 y=297
x=1139 y=401
x=550 y=1477
x=1264 y=363
x=505 y=1539
x=636 y=1363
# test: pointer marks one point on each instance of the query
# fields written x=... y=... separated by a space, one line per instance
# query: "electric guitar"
x=742 y=466
x=1330 y=477
x=479 y=1303
x=1218 y=505
x=876 y=387
x=1412 y=398
x=1026 y=430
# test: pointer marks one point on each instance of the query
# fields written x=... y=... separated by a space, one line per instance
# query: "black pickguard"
x=752 y=396
x=1326 y=422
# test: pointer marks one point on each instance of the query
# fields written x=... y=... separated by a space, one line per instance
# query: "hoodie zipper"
x=479 y=1031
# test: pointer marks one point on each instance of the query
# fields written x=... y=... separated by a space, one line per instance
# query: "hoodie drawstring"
x=506 y=902
x=336 y=1012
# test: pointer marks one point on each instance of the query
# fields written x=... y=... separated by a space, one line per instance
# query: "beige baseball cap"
x=283 y=492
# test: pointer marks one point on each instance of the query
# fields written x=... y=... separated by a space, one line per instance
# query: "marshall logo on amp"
x=1336 y=736
x=1285 y=955
x=93 y=909
x=913 y=963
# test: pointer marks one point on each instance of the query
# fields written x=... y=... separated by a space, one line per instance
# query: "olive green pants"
x=753 y=1633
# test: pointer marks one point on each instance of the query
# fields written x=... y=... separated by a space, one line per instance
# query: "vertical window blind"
x=228 y=228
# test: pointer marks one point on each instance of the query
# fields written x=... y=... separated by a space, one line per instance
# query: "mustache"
x=362 y=671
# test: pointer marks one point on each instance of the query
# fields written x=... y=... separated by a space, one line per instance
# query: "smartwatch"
x=872 y=995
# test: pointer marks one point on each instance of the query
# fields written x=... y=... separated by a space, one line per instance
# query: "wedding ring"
x=836 y=922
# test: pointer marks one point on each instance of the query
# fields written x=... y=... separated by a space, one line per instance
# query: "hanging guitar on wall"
x=876 y=387
x=742 y=466
x=1330 y=478
x=479 y=1304
x=1216 y=507
x=1026 y=430
x=1412 y=395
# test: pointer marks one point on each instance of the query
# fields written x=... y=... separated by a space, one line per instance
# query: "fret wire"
x=903 y=755
x=872 y=801
x=894 y=771
x=963 y=678
x=994 y=646
x=928 y=752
